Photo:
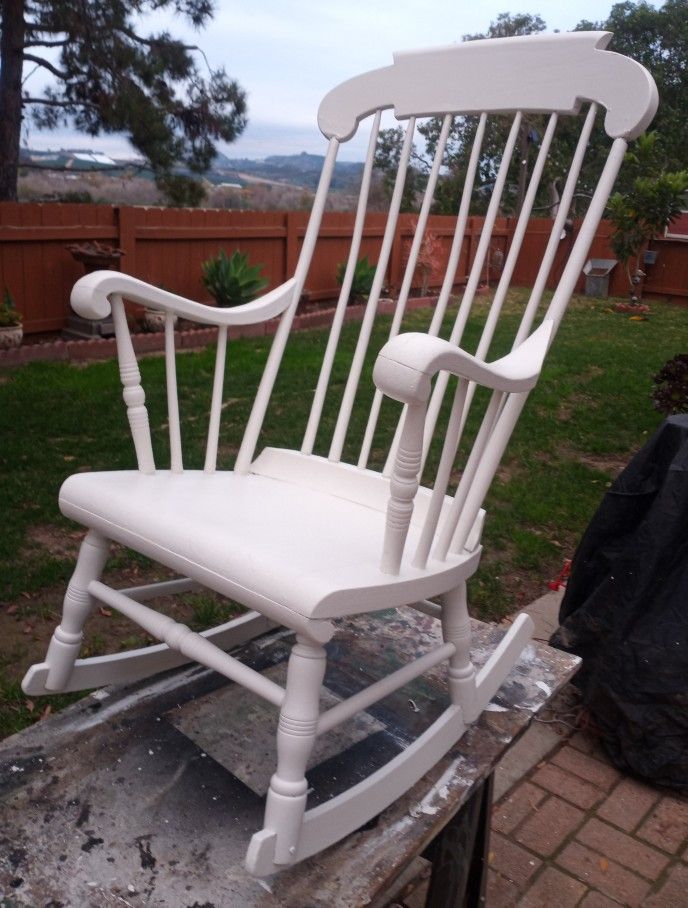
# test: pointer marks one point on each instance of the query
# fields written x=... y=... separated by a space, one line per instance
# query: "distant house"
x=91 y=157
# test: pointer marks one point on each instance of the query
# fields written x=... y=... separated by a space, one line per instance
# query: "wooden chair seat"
x=273 y=544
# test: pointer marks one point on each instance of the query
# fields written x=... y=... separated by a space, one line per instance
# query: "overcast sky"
x=287 y=54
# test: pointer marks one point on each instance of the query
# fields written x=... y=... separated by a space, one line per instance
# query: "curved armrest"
x=406 y=364
x=90 y=299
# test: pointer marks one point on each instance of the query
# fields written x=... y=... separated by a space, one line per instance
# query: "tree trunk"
x=11 y=62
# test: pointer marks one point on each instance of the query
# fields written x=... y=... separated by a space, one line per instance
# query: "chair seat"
x=271 y=544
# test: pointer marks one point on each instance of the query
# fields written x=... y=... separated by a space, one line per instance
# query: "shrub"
x=364 y=275
x=671 y=386
x=9 y=316
x=232 y=281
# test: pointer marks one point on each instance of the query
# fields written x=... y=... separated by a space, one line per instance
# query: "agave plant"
x=232 y=281
x=363 y=277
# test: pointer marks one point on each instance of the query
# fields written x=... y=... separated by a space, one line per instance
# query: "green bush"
x=364 y=275
x=9 y=316
x=671 y=386
x=232 y=281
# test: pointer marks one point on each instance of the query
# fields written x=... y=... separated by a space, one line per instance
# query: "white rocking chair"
x=302 y=539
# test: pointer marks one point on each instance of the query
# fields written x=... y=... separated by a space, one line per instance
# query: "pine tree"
x=105 y=77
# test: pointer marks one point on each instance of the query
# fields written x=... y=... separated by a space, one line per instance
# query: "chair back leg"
x=78 y=605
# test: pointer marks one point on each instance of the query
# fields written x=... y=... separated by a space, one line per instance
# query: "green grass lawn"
x=591 y=410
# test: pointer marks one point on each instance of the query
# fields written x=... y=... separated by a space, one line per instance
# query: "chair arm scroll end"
x=90 y=294
x=400 y=380
x=406 y=364
x=91 y=299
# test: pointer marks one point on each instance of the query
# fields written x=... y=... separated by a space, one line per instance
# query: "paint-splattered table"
x=148 y=795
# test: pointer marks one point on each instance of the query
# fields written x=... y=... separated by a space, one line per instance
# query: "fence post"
x=292 y=244
x=126 y=224
x=396 y=265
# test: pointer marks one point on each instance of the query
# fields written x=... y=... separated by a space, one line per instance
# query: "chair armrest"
x=406 y=364
x=91 y=299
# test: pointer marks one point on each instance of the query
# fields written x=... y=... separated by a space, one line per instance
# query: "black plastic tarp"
x=625 y=611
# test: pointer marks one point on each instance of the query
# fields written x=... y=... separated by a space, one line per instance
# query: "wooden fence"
x=167 y=247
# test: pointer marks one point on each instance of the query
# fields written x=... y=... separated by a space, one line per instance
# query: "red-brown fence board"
x=168 y=246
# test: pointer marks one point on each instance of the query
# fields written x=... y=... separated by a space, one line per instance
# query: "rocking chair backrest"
x=553 y=75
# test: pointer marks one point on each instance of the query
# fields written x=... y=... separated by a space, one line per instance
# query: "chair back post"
x=402 y=488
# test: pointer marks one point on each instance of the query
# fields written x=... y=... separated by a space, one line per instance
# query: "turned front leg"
x=78 y=604
x=456 y=629
x=296 y=733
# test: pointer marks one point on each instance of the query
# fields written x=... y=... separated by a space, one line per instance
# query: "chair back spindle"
x=421 y=85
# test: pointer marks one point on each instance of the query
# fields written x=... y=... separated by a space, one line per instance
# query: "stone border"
x=102 y=348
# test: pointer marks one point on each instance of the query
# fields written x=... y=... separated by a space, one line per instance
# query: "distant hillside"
x=298 y=170
x=301 y=170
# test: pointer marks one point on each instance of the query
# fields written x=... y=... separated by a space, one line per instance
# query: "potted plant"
x=232 y=281
x=11 y=331
x=651 y=200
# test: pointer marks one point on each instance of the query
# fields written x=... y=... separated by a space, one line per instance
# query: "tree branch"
x=149 y=42
x=52 y=102
x=39 y=61
x=46 y=43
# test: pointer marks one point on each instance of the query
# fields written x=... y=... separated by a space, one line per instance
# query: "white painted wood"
x=329 y=822
x=409 y=273
x=296 y=732
x=253 y=427
x=557 y=227
x=176 y=459
x=190 y=644
x=387 y=685
x=515 y=246
x=586 y=234
x=493 y=674
x=342 y=302
x=133 y=393
x=420 y=559
x=461 y=674
x=367 y=324
x=301 y=556
x=404 y=362
x=433 y=609
x=92 y=296
x=474 y=278
x=78 y=604
x=532 y=72
x=304 y=539
x=402 y=490
x=450 y=274
x=136 y=664
x=216 y=401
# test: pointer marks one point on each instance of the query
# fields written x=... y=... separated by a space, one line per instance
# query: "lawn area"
x=590 y=412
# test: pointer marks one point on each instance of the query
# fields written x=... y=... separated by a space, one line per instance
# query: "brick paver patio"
x=576 y=832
